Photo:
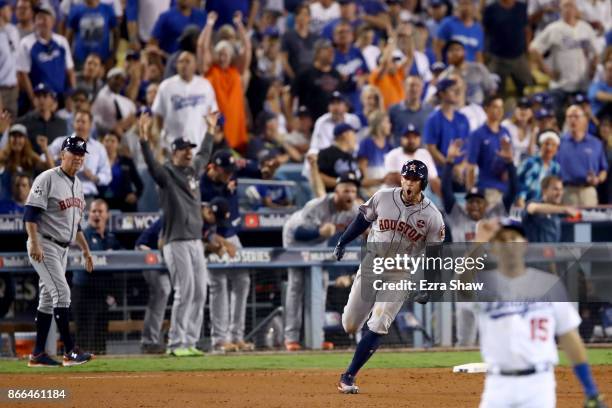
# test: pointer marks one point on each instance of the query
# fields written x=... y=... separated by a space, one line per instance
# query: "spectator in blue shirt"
x=348 y=14
x=542 y=218
x=583 y=160
x=600 y=93
x=506 y=24
x=463 y=28
x=609 y=38
x=90 y=290
x=446 y=123
x=21 y=188
x=45 y=57
x=349 y=62
x=488 y=149
x=170 y=25
x=93 y=27
x=372 y=151
x=535 y=168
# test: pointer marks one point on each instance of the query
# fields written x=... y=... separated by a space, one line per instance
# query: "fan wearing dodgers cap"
x=53 y=212
x=534 y=169
x=314 y=225
x=178 y=181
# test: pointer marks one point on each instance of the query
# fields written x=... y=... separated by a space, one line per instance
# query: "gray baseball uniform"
x=408 y=227
x=315 y=213
x=62 y=202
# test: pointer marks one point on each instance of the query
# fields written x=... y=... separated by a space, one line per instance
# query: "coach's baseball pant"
x=529 y=391
x=159 y=285
x=294 y=303
x=187 y=267
x=379 y=315
x=228 y=305
x=53 y=287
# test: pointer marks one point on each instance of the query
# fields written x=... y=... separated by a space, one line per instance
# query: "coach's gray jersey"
x=395 y=222
x=315 y=213
x=63 y=203
x=463 y=227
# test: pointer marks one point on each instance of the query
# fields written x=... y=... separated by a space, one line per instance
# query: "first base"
x=471 y=368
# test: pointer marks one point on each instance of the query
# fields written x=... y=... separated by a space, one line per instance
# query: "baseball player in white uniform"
x=517 y=338
x=403 y=216
x=53 y=212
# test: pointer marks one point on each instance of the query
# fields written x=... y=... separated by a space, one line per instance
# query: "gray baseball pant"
x=53 y=287
x=294 y=303
x=159 y=285
x=188 y=273
x=228 y=305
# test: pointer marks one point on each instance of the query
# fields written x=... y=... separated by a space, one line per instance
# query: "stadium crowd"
x=509 y=103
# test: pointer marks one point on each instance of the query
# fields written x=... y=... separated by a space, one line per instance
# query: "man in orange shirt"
x=390 y=74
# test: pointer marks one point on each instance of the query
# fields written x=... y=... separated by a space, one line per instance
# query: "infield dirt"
x=427 y=387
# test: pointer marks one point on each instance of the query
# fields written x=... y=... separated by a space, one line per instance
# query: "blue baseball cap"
x=4 y=3
x=336 y=96
x=144 y=109
x=475 y=192
x=410 y=129
x=340 y=128
x=524 y=102
x=42 y=88
x=543 y=113
x=221 y=208
x=271 y=32
x=349 y=177
x=541 y=98
x=512 y=224
x=444 y=84
x=75 y=144
x=436 y=3
x=580 y=98
x=438 y=66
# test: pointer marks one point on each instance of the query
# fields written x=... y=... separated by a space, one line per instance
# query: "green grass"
x=281 y=361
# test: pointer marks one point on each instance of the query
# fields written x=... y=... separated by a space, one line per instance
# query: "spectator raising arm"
x=204 y=55
x=244 y=58
x=448 y=196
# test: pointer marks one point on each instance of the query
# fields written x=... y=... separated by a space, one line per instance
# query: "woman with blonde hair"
x=372 y=101
x=372 y=151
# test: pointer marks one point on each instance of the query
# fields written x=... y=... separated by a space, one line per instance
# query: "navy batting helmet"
x=75 y=144
x=416 y=168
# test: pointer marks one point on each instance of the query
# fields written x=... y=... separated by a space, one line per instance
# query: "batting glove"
x=339 y=252
x=595 y=402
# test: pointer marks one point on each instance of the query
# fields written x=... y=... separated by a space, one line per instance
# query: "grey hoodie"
x=179 y=190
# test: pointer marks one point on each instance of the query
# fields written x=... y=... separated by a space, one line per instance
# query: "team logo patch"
x=442 y=233
x=38 y=192
x=421 y=223
x=412 y=167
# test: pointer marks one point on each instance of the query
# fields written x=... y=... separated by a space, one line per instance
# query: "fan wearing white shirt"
x=183 y=101
x=96 y=170
x=410 y=149
x=111 y=110
x=322 y=12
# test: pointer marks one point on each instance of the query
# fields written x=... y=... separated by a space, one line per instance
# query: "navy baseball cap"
x=524 y=103
x=349 y=177
x=436 y=3
x=4 y=3
x=180 y=144
x=343 y=2
x=221 y=121
x=580 y=98
x=418 y=169
x=225 y=160
x=340 y=128
x=271 y=32
x=43 y=89
x=444 y=84
x=303 y=111
x=543 y=113
x=267 y=154
x=475 y=192
x=144 y=109
x=541 y=98
x=221 y=208
x=75 y=144
x=132 y=55
x=336 y=96
x=410 y=129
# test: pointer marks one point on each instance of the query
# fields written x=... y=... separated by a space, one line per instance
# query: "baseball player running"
x=517 y=338
x=52 y=217
x=396 y=215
